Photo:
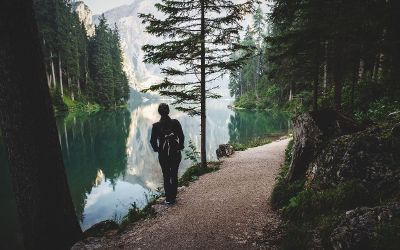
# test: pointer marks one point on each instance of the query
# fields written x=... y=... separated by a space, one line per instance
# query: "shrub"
x=283 y=190
x=309 y=203
x=195 y=171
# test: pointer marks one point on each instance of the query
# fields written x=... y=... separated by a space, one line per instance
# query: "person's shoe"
x=170 y=203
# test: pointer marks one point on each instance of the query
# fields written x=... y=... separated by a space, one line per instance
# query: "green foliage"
x=246 y=101
x=57 y=101
x=238 y=146
x=91 y=71
x=320 y=54
x=283 y=190
x=308 y=203
x=192 y=154
x=255 y=142
x=80 y=105
x=379 y=110
x=135 y=213
x=195 y=171
x=201 y=37
x=109 y=85
x=301 y=102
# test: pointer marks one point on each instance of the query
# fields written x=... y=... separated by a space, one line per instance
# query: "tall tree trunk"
x=316 y=78
x=46 y=213
x=78 y=82
x=325 y=78
x=353 y=86
x=337 y=75
x=53 y=73
x=60 y=72
x=257 y=76
x=203 y=116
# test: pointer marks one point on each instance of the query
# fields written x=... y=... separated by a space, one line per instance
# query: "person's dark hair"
x=163 y=109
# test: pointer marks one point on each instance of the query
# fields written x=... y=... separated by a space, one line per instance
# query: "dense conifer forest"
x=83 y=72
x=316 y=54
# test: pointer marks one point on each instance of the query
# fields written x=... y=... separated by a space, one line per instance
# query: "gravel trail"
x=227 y=209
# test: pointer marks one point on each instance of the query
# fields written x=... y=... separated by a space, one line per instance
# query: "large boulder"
x=311 y=130
x=360 y=226
x=367 y=156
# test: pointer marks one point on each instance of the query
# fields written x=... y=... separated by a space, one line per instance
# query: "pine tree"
x=100 y=64
x=121 y=83
x=201 y=37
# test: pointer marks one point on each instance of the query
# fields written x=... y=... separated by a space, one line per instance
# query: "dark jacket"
x=157 y=136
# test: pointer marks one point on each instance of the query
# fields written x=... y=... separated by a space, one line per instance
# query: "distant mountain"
x=133 y=37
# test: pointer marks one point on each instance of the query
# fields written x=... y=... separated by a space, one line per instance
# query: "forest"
x=316 y=116
x=83 y=72
x=319 y=54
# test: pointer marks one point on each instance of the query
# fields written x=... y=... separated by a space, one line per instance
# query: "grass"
x=193 y=173
x=255 y=142
x=135 y=213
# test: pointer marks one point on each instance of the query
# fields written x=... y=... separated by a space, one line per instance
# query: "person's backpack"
x=171 y=141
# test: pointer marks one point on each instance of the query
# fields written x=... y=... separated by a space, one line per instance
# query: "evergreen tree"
x=67 y=52
x=201 y=37
x=100 y=64
x=121 y=83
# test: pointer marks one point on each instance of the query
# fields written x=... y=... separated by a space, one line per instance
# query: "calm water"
x=110 y=163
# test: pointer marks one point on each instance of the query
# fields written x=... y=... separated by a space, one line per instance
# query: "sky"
x=100 y=6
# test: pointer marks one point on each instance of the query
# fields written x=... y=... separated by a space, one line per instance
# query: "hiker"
x=168 y=140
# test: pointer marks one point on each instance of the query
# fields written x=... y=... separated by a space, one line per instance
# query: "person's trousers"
x=169 y=165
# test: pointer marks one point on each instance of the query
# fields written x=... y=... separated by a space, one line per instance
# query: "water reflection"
x=94 y=156
x=110 y=163
x=245 y=125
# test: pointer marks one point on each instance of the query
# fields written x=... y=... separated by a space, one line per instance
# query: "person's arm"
x=153 y=139
x=181 y=136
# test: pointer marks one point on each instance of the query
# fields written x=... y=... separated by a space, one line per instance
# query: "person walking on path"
x=167 y=139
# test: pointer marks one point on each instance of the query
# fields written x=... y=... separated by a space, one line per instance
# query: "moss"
x=195 y=171
x=283 y=190
x=309 y=203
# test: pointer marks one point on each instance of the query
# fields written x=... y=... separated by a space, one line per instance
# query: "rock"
x=101 y=228
x=366 y=156
x=360 y=225
x=311 y=129
x=224 y=150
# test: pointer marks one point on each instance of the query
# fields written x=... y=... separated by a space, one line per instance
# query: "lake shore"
x=227 y=209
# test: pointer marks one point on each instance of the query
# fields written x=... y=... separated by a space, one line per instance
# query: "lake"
x=110 y=163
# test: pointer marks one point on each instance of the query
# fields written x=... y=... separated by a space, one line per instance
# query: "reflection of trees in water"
x=245 y=125
x=91 y=143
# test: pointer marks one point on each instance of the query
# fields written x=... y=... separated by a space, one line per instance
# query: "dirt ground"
x=227 y=209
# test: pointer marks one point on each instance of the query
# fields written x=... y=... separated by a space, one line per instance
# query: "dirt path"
x=227 y=209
